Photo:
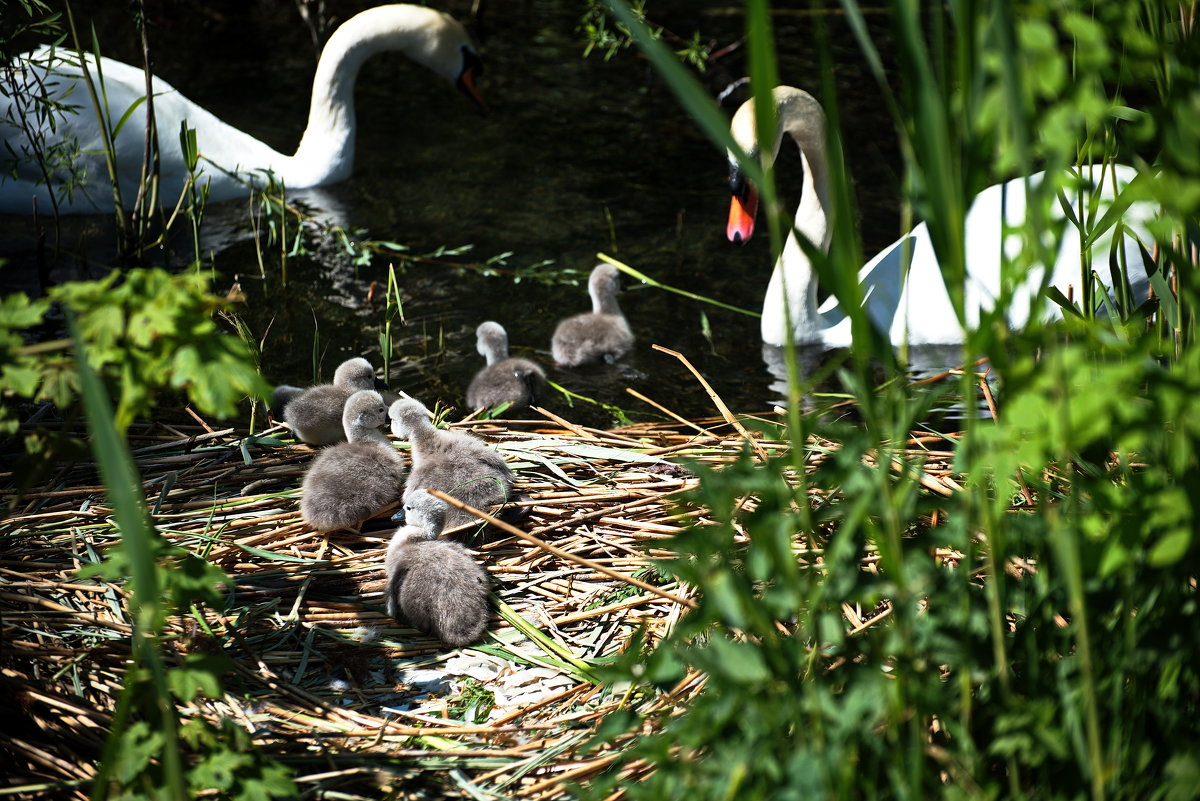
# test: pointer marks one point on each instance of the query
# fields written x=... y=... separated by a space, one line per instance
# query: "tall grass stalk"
x=139 y=539
x=393 y=312
x=103 y=118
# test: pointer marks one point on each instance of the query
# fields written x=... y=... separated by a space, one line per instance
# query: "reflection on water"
x=922 y=363
x=578 y=156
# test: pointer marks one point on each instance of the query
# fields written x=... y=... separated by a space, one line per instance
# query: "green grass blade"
x=645 y=279
x=124 y=490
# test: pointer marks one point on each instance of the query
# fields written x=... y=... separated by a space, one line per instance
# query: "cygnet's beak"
x=742 y=207
x=472 y=69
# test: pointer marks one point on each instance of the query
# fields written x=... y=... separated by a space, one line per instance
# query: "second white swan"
x=902 y=287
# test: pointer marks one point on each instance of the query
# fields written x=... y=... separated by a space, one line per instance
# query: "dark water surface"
x=578 y=156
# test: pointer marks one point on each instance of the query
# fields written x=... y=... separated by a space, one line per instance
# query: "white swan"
x=325 y=154
x=915 y=309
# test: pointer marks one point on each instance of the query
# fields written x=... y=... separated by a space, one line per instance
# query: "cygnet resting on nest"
x=504 y=379
x=315 y=414
x=599 y=335
x=454 y=462
x=353 y=480
x=434 y=584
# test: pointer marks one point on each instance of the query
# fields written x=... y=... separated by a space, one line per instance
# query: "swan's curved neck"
x=605 y=303
x=423 y=435
x=359 y=432
x=326 y=150
x=790 y=305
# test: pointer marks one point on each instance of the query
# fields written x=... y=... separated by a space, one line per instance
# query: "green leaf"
x=18 y=311
x=199 y=674
x=125 y=117
x=218 y=768
x=738 y=662
x=1170 y=548
x=139 y=745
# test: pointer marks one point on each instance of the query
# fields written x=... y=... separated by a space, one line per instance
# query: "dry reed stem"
x=716 y=399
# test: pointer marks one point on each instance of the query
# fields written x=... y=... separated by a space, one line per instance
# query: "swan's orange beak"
x=742 y=208
x=472 y=67
x=466 y=82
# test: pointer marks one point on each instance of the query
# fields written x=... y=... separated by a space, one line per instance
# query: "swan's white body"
x=229 y=158
x=903 y=290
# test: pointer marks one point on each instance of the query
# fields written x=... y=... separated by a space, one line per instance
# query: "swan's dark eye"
x=738 y=185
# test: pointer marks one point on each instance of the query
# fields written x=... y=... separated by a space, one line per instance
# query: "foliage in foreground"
x=1039 y=639
x=1046 y=645
x=147 y=331
x=149 y=753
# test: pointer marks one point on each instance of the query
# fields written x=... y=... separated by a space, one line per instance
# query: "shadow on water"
x=578 y=156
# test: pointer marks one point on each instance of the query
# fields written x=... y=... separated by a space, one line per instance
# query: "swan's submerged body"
x=902 y=287
x=230 y=158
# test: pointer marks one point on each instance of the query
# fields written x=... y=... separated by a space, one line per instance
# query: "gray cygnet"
x=603 y=334
x=435 y=584
x=454 y=462
x=315 y=414
x=354 y=480
x=504 y=379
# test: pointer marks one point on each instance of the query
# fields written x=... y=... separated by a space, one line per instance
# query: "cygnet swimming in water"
x=354 y=480
x=454 y=462
x=504 y=379
x=599 y=335
x=434 y=584
x=315 y=414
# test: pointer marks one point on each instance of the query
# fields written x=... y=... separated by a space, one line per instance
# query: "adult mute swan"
x=902 y=286
x=229 y=157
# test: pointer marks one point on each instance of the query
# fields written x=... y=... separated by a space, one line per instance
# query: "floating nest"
x=355 y=703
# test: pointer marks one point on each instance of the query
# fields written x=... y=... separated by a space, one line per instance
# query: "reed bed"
x=356 y=703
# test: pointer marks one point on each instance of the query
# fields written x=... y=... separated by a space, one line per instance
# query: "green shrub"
x=148 y=331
